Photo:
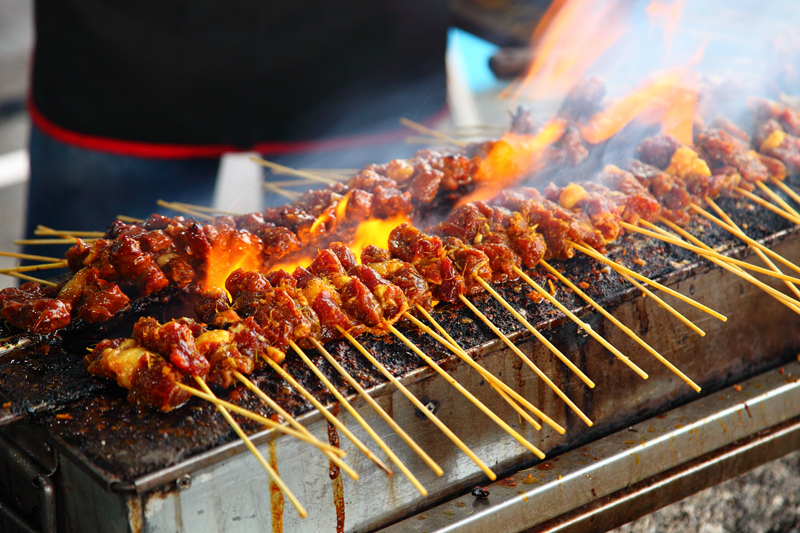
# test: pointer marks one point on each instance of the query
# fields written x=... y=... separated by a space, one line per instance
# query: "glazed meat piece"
x=720 y=148
x=91 y=297
x=400 y=273
x=604 y=213
x=775 y=143
x=34 y=308
x=583 y=101
x=151 y=381
x=658 y=150
x=326 y=304
x=175 y=341
x=637 y=200
x=355 y=298
x=426 y=253
x=669 y=190
x=574 y=150
x=556 y=225
x=469 y=263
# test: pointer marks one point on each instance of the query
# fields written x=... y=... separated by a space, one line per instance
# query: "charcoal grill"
x=99 y=465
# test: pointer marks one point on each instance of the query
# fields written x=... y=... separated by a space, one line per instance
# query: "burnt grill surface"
x=93 y=416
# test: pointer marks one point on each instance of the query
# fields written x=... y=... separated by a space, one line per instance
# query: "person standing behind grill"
x=135 y=101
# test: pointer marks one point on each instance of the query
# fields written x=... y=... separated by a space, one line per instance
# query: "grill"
x=100 y=465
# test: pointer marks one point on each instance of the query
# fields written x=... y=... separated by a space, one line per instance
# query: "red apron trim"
x=187 y=151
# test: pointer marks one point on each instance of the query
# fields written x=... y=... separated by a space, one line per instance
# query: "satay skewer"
x=792 y=287
x=332 y=452
x=763 y=203
x=31 y=278
x=785 y=188
x=777 y=199
x=620 y=325
x=134 y=220
x=708 y=253
x=419 y=405
x=527 y=361
x=181 y=209
x=541 y=338
x=630 y=275
x=358 y=418
x=584 y=326
x=622 y=271
x=784 y=299
x=433 y=133
x=266 y=422
x=384 y=415
x=291 y=171
x=32 y=268
x=206 y=209
x=473 y=400
x=494 y=382
x=290 y=195
x=741 y=235
x=34 y=242
x=328 y=416
x=32 y=257
x=250 y=446
x=511 y=392
x=44 y=230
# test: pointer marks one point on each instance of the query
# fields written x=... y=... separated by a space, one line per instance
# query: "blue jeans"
x=76 y=189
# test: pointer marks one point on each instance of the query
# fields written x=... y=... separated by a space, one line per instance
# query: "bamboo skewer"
x=332 y=419
x=181 y=209
x=511 y=392
x=475 y=401
x=494 y=382
x=419 y=405
x=620 y=325
x=32 y=242
x=792 y=287
x=31 y=268
x=44 y=230
x=785 y=300
x=358 y=418
x=206 y=209
x=433 y=133
x=125 y=218
x=32 y=257
x=250 y=446
x=291 y=171
x=630 y=274
x=739 y=233
x=708 y=253
x=378 y=409
x=583 y=377
x=271 y=424
x=31 y=278
x=291 y=195
x=586 y=327
x=600 y=257
x=763 y=203
x=785 y=188
x=331 y=452
x=777 y=199
x=527 y=361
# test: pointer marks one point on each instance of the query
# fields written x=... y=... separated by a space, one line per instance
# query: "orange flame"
x=665 y=99
x=231 y=250
x=371 y=231
x=569 y=38
x=512 y=158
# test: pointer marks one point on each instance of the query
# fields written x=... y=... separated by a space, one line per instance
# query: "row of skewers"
x=478 y=246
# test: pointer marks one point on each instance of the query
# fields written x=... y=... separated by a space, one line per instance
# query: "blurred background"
x=764 y=500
